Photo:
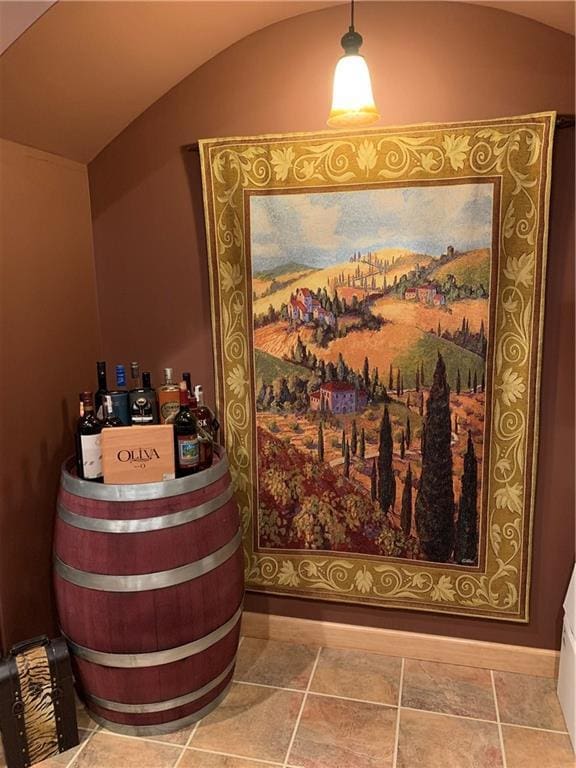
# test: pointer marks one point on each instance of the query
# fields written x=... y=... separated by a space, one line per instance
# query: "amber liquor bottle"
x=186 y=446
x=168 y=398
x=88 y=445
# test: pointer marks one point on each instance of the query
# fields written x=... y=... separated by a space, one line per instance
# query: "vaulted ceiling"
x=74 y=74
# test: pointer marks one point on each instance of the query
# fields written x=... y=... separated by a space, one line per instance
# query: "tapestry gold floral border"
x=517 y=152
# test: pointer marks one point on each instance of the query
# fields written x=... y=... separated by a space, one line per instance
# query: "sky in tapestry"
x=326 y=227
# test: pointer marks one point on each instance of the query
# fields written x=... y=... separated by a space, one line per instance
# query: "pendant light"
x=352 y=99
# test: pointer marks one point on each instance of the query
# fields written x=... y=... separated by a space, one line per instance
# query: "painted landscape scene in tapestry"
x=370 y=312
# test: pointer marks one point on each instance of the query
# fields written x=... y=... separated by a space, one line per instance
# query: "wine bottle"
x=120 y=404
x=186 y=449
x=88 y=446
x=102 y=389
x=110 y=420
x=168 y=398
x=143 y=406
x=191 y=397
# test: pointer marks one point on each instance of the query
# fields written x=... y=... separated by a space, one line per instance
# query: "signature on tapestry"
x=370 y=326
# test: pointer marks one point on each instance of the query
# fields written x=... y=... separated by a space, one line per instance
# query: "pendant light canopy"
x=352 y=99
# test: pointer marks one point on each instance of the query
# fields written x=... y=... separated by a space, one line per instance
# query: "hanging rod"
x=562 y=121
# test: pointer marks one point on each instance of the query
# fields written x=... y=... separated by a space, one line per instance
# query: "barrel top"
x=144 y=491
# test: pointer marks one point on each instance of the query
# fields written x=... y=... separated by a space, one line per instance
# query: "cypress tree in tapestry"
x=458 y=382
x=320 y=442
x=466 y=550
x=347 y=460
x=354 y=439
x=366 y=375
x=469 y=380
x=408 y=432
x=390 y=379
x=435 y=499
x=385 y=473
x=475 y=385
x=362 y=447
x=402 y=445
x=483 y=384
x=374 y=481
x=406 y=513
x=343 y=442
x=417 y=384
x=422 y=382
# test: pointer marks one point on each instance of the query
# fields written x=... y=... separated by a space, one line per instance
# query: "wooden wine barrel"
x=149 y=587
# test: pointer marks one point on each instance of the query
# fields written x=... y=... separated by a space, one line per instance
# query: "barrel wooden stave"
x=154 y=718
x=154 y=620
x=134 y=553
x=158 y=683
x=129 y=510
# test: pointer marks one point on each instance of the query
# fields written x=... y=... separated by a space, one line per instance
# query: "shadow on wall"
x=31 y=496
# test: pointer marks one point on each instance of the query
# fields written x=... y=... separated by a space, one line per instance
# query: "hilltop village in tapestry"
x=371 y=323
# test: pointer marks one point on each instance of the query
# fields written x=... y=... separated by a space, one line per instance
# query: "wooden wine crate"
x=138 y=454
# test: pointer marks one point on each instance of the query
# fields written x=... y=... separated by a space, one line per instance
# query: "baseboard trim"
x=450 y=650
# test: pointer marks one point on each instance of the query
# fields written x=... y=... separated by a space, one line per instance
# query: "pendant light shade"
x=352 y=99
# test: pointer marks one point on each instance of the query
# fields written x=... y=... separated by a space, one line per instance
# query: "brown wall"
x=50 y=339
x=430 y=62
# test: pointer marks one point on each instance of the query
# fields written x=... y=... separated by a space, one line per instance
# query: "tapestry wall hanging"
x=377 y=302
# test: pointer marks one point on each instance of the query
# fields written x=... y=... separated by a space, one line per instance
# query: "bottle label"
x=91 y=456
x=168 y=411
x=188 y=451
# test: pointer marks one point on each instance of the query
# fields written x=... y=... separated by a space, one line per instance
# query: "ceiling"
x=101 y=64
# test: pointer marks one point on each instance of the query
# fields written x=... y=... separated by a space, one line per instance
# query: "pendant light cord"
x=351 y=15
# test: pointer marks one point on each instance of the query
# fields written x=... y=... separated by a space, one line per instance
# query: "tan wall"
x=50 y=340
x=430 y=62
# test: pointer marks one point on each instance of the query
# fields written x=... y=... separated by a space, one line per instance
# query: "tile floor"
x=294 y=706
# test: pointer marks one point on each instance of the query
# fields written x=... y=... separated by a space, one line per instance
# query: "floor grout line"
x=267 y=685
x=397 y=730
x=188 y=740
x=504 y=764
x=534 y=728
x=81 y=748
x=234 y=755
x=297 y=723
x=449 y=714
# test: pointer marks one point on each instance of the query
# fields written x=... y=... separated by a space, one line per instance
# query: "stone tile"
x=448 y=688
x=252 y=721
x=105 y=750
x=428 y=740
x=83 y=718
x=193 y=759
x=269 y=662
x=528 y=700
x=358 y=675
x=525 y=748
x=334 y=733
